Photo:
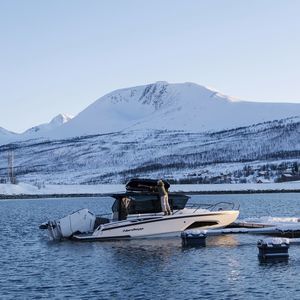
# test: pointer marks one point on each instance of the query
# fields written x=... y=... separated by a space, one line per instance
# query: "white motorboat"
x=137 y=214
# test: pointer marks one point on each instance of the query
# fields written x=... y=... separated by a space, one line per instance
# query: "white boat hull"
x=161 y=226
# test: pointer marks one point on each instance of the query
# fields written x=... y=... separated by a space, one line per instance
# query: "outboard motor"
x=81 y=221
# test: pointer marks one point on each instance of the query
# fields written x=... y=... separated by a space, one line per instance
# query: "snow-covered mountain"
x=164 y=106
x=43 y=129
x=177 y=131
x=38 y=131
x=6 y=136
x=161 y=106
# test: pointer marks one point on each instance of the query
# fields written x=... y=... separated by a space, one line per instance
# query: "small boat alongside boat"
x=137 y=213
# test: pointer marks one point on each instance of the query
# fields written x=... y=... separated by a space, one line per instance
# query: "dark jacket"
x=162 y=191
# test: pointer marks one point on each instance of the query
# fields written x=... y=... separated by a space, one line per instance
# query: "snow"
x=35 y=132
x=255 y=187
x=182 y=106
x=42 y=129
x=18 y=189
x=6 y=136
x=274 y=241
x=27 y=189
x=235 y=156
x=159 y=130
x=161 y=105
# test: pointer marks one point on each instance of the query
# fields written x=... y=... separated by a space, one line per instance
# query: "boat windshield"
x=134 y=203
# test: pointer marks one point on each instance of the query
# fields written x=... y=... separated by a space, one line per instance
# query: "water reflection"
x=145 y=252
x=223 y=240
x=274 y=264
x=234 y=269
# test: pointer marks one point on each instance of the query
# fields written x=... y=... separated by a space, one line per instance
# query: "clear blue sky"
x=61 y=55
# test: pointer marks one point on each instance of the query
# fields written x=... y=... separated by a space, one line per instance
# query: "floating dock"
x=280 y=230
x=269 y=248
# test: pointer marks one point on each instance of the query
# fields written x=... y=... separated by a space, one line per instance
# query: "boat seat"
x=99 y=221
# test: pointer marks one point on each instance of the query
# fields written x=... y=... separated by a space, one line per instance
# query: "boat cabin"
x=132 y=203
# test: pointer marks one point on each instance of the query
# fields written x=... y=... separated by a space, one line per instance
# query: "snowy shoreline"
x=23 y=190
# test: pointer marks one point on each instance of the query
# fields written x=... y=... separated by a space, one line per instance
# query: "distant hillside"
x=265 y=151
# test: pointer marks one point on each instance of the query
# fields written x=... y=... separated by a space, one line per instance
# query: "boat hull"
x=164 y=226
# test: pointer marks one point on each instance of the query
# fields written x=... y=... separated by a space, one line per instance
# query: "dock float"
x=279 y=230
x=287 y=233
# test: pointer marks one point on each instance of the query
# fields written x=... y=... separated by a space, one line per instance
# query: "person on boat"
x=164 y=199
x=124 y=206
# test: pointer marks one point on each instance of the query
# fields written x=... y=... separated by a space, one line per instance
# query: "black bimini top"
x=142 y=197
x=140 y=184
x=139 y=203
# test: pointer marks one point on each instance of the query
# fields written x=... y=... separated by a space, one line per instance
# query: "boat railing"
x=223 y=205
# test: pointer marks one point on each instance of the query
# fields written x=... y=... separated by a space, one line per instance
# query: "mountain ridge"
x=163 y=130
x=182 y=106
x=34 y=132
x=161 y=105
x=57 y=121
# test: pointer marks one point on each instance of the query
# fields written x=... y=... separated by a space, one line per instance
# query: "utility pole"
x=10 y=168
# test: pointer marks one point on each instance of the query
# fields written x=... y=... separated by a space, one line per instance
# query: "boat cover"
x=146 y=185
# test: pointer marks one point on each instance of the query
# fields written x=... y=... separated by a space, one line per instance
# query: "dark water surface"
x=32 y=267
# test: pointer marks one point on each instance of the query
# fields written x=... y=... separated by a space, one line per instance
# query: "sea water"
x=33 y=267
